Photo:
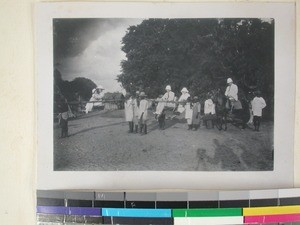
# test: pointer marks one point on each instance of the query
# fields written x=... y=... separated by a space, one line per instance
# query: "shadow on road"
x=94 y=128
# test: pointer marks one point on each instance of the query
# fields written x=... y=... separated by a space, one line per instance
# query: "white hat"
x=100 y=87
x=168 y=87
x=229 y=80
x=142 y=94
x=184 y=90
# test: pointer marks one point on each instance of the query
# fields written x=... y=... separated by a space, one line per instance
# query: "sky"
x=91 y=48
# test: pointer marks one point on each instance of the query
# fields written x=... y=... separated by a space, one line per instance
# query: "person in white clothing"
x=169 y=96
x=135 y=103
x=97 y=95
x=182 y=99
x=189 y=112
x=209 y=107
x=209 y=110
x=164 y=106
x=128 y=108
x=231 y=93
x=143 y=113
x=258 y=103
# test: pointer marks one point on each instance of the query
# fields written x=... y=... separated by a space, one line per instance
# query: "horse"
x=222 y=111
x=237 y=114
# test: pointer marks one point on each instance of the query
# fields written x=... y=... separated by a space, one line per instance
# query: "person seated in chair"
x=231 y=93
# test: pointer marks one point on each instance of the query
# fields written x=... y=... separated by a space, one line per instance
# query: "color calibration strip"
x=169 y=207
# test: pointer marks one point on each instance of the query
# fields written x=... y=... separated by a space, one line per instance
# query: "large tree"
x=199 y=54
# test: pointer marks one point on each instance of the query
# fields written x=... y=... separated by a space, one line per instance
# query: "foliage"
x=71 y=90
x=199 y=54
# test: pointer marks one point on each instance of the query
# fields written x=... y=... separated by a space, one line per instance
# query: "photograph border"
x=283 y=174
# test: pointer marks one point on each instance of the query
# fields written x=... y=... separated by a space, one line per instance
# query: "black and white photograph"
x=163 y=94
x=140 y=91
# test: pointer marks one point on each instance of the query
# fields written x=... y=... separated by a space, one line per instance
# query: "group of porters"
x=217 y=108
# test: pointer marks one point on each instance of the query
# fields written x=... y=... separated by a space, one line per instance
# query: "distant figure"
x=189 y=113
x=162 y=120
x=196 y=113
x=63 y=117
x=135 y=105
x=143 y=113
x=162 y=116
x=250 y=99
x=209 y=110
x=182 y=99
x=231 y=93
x=128 y=108
x=97 y=95
x=258 y=103
x=209 y=106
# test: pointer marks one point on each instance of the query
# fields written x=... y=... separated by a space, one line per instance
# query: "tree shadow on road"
x=97 y=127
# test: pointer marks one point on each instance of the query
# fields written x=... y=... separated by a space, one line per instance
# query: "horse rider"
x=231 y=93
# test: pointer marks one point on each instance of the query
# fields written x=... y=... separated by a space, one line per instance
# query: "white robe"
x=160 y=106
x=209 y=107
x=169 y=96
x=188 y=111
x=182 y=98
x=128 y=108
x=95 y=97
x=143 y=110
x=258 y=103
x=232 y=92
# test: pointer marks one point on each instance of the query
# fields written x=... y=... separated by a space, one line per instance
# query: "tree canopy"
x=71 y=90
x=199 y=54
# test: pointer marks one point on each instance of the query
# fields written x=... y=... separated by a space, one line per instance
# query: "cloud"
x=100 y=58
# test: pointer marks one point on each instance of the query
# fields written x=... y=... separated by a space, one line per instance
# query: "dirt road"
x=99 y=141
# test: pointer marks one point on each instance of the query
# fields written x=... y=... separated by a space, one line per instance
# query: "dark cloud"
x=72 y=36
x=90 y=48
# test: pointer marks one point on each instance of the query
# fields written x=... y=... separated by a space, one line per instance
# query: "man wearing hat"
x=169 y=96
x=128 y=109
x=231 y=92
x=162 y=104
x=143 y=113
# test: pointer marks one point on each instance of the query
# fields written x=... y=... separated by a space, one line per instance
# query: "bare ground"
x=100 y=141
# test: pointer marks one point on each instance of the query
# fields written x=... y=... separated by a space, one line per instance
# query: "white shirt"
x=188 y=111
x=129 y=110
x=209 y=107
x=232 y=92
x=143 y=108
x=169 y=96
x=182 y=98
x=258 y=103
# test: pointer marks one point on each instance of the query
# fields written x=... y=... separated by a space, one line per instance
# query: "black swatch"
x=50 y=202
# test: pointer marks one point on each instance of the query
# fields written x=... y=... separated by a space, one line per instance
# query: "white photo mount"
x=283 y=174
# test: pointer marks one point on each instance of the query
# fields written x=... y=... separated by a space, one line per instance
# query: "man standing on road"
x=135 y=103
x=143 y=113
x=128 y=108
